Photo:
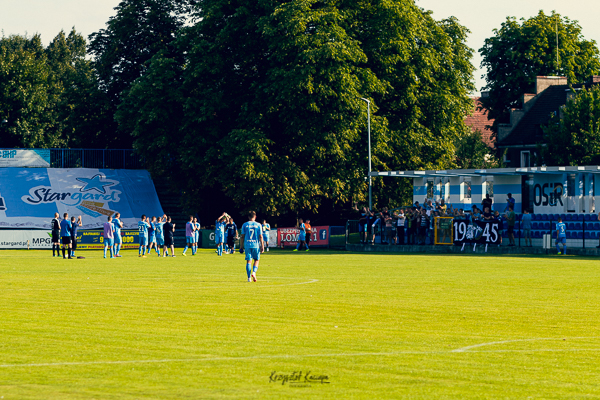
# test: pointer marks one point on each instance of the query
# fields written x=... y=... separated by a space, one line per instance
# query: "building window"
x=467 y=189
x=525 y=159
x=489 y=187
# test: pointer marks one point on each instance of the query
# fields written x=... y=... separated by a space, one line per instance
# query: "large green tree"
x=573 y=136
x=25 y=94
x=262 y=104
x=122 y=51
x=521 y=50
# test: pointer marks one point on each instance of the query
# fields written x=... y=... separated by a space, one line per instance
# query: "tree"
x=24 y=93
x=139 y=30
x=573 y=137
x=518 y=52
x=473 y=153
x=265 y=100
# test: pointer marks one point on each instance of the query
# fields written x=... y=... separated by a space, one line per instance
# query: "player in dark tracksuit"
x=55 y=226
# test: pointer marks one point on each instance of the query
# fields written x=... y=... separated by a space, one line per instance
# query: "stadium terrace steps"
x=441 y=249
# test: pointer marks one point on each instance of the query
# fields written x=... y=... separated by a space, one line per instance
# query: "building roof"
x=479 y=121
x=528 y=130
x=591 y=169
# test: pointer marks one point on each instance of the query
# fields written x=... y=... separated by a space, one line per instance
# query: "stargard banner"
x=29 y=197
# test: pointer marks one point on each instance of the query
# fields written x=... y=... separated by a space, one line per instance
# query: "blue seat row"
x=565 y=217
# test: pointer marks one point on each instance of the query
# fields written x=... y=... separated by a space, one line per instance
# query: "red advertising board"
x=289 y=236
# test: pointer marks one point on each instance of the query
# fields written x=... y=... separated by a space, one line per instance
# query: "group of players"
x=156 y=233
x=226 y=233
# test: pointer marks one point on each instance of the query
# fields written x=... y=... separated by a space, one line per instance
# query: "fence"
x=95 y=158
x=583 y=231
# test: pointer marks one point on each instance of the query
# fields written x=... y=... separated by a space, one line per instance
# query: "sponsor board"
x=42 y=239
x=94 y=240
x=39 y=158
x=30 y=196
x=289 y=236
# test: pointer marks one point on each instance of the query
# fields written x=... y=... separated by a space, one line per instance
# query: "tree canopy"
x=573 y=136
x=521 y=50
x=264 y=98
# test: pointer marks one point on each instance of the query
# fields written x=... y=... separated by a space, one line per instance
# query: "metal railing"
x=96 y=158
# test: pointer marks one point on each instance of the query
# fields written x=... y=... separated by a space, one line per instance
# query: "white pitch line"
x=467 y=348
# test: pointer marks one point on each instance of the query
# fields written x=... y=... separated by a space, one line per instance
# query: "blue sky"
x=48 y=17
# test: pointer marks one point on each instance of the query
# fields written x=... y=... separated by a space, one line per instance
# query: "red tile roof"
x=479 y=121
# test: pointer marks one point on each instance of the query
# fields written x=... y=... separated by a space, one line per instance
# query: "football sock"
x=298 y=246
x=565 y=249
x=118 y=248
x=248 y=269
x=105 y=247
x=557 y=248
x=185 y=249
x=255 y=269
x=53 y=250
x=63 y=251
x=144 y=251
x=140 y=250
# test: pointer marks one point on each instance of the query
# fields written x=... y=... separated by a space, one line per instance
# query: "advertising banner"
x=207 y=239
x=94 y=240
x=39 y=158
x=29 y=197
x=289 y=236
x=481 y=232
x=23 y=239
x=42 y=239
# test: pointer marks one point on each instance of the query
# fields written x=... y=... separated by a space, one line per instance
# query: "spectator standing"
x=500 y=225
x=400 y=227
x=510 y=202
x=423 y=225
x=487 y=202
x=526 y=222
x=510 y=218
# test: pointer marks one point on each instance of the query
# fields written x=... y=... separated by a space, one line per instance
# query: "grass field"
x=367 y=326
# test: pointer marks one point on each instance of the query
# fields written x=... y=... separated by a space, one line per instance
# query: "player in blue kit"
x=253 y=243
x=231 y=231
x=75 y=223
x=118 y=225
x=143 y=226
x=301 y=236
x=65 y=235
x=266 y=228
x=152 y=234
x=220 y=232
x=196 y=236
x=158 y=232
x=561 y=236
x=190 y=234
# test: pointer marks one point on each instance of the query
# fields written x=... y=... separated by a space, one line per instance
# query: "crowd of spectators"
x=416 y=225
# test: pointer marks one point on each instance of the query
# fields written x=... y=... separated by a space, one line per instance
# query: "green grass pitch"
x=362 y=326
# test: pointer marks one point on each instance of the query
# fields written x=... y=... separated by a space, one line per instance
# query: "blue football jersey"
x=220 y=227
x=117 y=225
x=143 y=228
x=65 y=228
x=562 y=229
x=252 y=231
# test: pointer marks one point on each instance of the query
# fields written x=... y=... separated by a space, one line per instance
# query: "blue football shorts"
x=252 y=254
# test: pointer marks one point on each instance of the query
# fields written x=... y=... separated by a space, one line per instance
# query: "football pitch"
x=323 y=324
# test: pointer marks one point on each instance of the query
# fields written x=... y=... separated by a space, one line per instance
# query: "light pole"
x=369 y=135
